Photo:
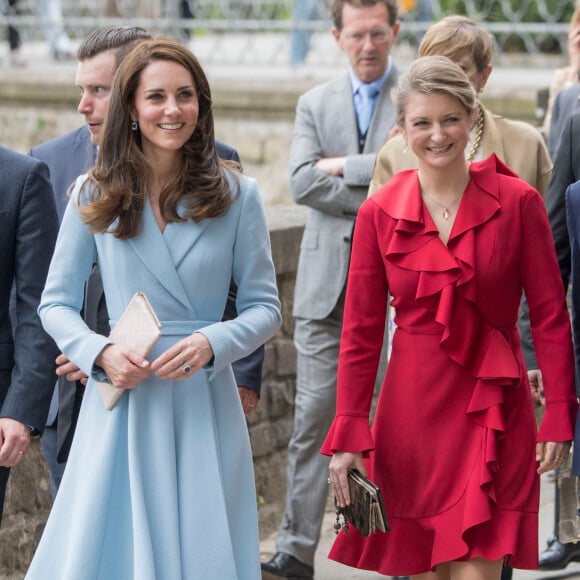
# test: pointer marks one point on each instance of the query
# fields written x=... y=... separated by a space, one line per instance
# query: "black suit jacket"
x=566 y=172
x=68 y=157
x=28 y=230
x=572 y=200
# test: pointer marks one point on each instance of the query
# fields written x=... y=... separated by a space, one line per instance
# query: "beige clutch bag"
x=138 y=328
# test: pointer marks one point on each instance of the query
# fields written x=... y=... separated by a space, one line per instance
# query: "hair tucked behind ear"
x=120 y=178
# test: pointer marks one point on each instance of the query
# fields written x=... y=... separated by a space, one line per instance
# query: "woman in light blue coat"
x=161 y=487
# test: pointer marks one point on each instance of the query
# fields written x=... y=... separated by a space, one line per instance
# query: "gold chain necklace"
x=446 y=210
x=478 y=136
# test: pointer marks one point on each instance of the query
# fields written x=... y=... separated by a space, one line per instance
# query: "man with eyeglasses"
x=339 y=127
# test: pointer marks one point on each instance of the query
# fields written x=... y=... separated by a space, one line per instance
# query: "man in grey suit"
x=339 y=127
x=28 y=230
x=69 y=156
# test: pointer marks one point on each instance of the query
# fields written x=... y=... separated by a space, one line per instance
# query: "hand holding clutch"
x=139 y=328
x=366 y=511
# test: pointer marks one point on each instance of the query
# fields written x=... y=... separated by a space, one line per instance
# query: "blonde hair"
x=456 y=37
x=575 y=20
x=433 y=75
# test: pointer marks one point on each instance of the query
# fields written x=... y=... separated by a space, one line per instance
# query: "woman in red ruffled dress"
x=453 y=443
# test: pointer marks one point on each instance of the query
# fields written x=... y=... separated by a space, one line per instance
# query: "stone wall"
x=28 y=498
x=257 y=121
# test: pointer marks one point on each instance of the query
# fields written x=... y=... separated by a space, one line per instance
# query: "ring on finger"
x=185 y=368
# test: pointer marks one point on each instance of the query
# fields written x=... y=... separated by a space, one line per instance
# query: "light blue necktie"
x=366 y=106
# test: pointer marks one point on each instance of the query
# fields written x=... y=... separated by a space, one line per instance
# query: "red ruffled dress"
x=452 y=444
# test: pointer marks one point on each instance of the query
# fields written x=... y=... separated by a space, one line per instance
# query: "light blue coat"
x=162 y=486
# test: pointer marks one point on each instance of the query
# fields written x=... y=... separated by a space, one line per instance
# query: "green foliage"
x=511 y=10
x=515 y=11
x=250 y=9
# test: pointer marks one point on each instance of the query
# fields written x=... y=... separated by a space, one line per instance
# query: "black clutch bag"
x=366 y=511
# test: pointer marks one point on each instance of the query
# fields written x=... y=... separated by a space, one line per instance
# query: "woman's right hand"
x=339 y=465
x=124 y=368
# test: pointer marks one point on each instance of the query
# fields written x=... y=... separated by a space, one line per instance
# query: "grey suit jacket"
x=325 y=127
x=565 y=105
x=28 y=230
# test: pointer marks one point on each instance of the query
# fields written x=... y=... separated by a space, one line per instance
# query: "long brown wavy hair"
x=119 y=180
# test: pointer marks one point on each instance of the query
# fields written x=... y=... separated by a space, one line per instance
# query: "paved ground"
x=328 y=570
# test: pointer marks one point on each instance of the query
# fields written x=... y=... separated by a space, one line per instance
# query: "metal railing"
x=531 y=26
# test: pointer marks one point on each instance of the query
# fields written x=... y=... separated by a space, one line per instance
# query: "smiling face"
x=436 y=127
x=94 y=78
x=367 y=38
x=166 y=107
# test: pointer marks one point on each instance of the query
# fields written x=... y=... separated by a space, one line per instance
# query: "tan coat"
x=516 y=143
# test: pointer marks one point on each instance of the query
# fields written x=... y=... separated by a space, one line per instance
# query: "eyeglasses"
x=377 y=36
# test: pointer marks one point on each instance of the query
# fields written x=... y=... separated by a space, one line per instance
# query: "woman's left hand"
x=184 y=358
x=338 y=468
x=552 y=454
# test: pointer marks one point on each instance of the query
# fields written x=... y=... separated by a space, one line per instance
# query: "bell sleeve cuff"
x=558 y=421
x=348 y=433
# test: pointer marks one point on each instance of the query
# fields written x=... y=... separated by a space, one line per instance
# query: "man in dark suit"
x=69 y=156
x=566 y=171
x=565 y=104
x=339 y=128
x=28 y=230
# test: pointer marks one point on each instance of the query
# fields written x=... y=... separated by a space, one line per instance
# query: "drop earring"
x=405 y=148
x=134 y=125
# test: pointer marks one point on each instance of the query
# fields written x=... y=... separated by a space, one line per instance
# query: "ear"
x=396 y=29
x=336 y=34
x=484 y=77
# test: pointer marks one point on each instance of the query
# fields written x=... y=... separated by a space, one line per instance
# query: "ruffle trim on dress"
x=446 y=288
x=345 y=430
x=509 y=533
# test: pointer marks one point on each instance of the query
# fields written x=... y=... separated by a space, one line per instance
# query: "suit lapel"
x=181 y=237
x=151 y=247
x=384 y=115
x=343 y=104
x=82 y=154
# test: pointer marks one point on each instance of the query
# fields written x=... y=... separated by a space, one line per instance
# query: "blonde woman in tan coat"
x=516 y=143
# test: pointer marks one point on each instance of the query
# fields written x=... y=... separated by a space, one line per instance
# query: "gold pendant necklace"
x=446 y=214
x=478 y=136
